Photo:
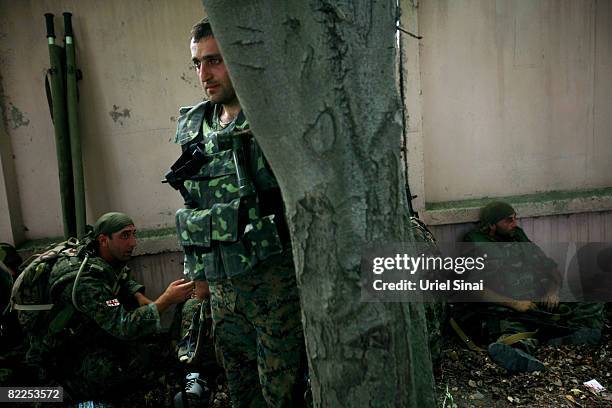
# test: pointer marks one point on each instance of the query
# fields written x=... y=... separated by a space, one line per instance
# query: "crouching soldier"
x=100 y=341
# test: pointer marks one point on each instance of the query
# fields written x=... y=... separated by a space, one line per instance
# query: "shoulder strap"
x=76 y=281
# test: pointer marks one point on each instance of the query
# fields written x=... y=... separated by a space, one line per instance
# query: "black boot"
x=513 y=359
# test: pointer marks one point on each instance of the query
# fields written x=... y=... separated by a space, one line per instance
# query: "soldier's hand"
x=522 y=305
x=177 y=292
x=551 y=300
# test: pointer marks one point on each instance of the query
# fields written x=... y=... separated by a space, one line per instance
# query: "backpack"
x=32 y=293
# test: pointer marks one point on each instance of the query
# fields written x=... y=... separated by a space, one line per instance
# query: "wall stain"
x=16 y=118
x=119 y=115
x=190 y=81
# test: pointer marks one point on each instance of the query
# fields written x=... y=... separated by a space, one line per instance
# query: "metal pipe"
x=62 y=142
x=73 y=128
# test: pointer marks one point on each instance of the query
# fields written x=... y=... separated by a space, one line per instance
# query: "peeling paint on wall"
x=15 y=117
x=119 y=115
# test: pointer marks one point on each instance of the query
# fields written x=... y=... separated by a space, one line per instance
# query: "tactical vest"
x=227 y=233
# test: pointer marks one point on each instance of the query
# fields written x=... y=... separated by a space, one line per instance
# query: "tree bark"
x=317 y=81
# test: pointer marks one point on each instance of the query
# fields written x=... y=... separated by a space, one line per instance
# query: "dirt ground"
x=466 y=378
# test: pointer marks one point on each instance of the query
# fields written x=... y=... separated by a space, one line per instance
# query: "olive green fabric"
x=195 y=347
x=111 y=222
x=514 y=263
x=520 y=266
x=259 y=333
x=102 y=341
x=237 y=238
x=495 y=212
x=230 y=231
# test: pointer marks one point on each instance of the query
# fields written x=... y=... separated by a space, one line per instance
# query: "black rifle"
x=193 y=158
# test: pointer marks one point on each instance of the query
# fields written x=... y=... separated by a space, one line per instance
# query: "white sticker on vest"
x=113 y=302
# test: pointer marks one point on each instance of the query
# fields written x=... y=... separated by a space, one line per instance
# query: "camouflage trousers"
x=258 y=329
x=110 y=373
x=569 y=318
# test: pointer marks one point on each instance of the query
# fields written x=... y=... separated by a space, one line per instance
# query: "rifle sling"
x=469 y=343
x=516 y=337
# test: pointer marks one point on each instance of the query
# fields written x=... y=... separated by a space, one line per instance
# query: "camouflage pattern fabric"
x=523 y=270
x=195 y=347
x=259 y=332
x=566 y=319
x=229 y=232
x=109 y=373
x=86 y=345
x=234 y=239
x=525 y=266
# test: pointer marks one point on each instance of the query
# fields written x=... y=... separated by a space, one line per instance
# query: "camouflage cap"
x=495 y=212
x=9 y=256
x=111 y=222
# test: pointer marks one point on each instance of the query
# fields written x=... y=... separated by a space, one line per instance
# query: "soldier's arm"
x=177 y=292
x=95 y=299
x=142 y=299
x=492 y=296
x=134 y=287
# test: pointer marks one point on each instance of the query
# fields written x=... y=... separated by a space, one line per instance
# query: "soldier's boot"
x=513 y=359
x=584 y=335
x=195 y=394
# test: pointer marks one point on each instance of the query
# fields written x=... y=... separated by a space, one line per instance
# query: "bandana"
x=111 y=222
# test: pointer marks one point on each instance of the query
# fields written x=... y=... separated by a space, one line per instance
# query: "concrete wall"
x=508 y=98
x=136 y=73
x=503 y=98
x=585 y=227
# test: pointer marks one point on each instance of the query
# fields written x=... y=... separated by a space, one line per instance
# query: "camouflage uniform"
x=234 y=232
x=98 y=344
x=526 y=272
x=195 y=347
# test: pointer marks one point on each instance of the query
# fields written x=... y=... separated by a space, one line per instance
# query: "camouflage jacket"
x=104 y=308
x=238 y=220
x=515 y=266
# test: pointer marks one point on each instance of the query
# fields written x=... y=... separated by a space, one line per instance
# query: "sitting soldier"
x=100 y=342
x=522 y=295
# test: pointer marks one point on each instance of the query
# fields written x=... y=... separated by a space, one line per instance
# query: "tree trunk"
x=317 y=81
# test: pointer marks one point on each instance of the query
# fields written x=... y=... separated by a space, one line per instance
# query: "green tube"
x=73 y=128
x=56 y=55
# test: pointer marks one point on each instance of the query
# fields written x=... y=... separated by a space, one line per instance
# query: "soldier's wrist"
x=162 y=303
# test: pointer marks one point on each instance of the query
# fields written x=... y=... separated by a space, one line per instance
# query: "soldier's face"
x=506 y=227
x=211 y=71
x=120 y=245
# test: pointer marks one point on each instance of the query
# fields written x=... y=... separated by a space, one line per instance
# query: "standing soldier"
x=233 y=231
